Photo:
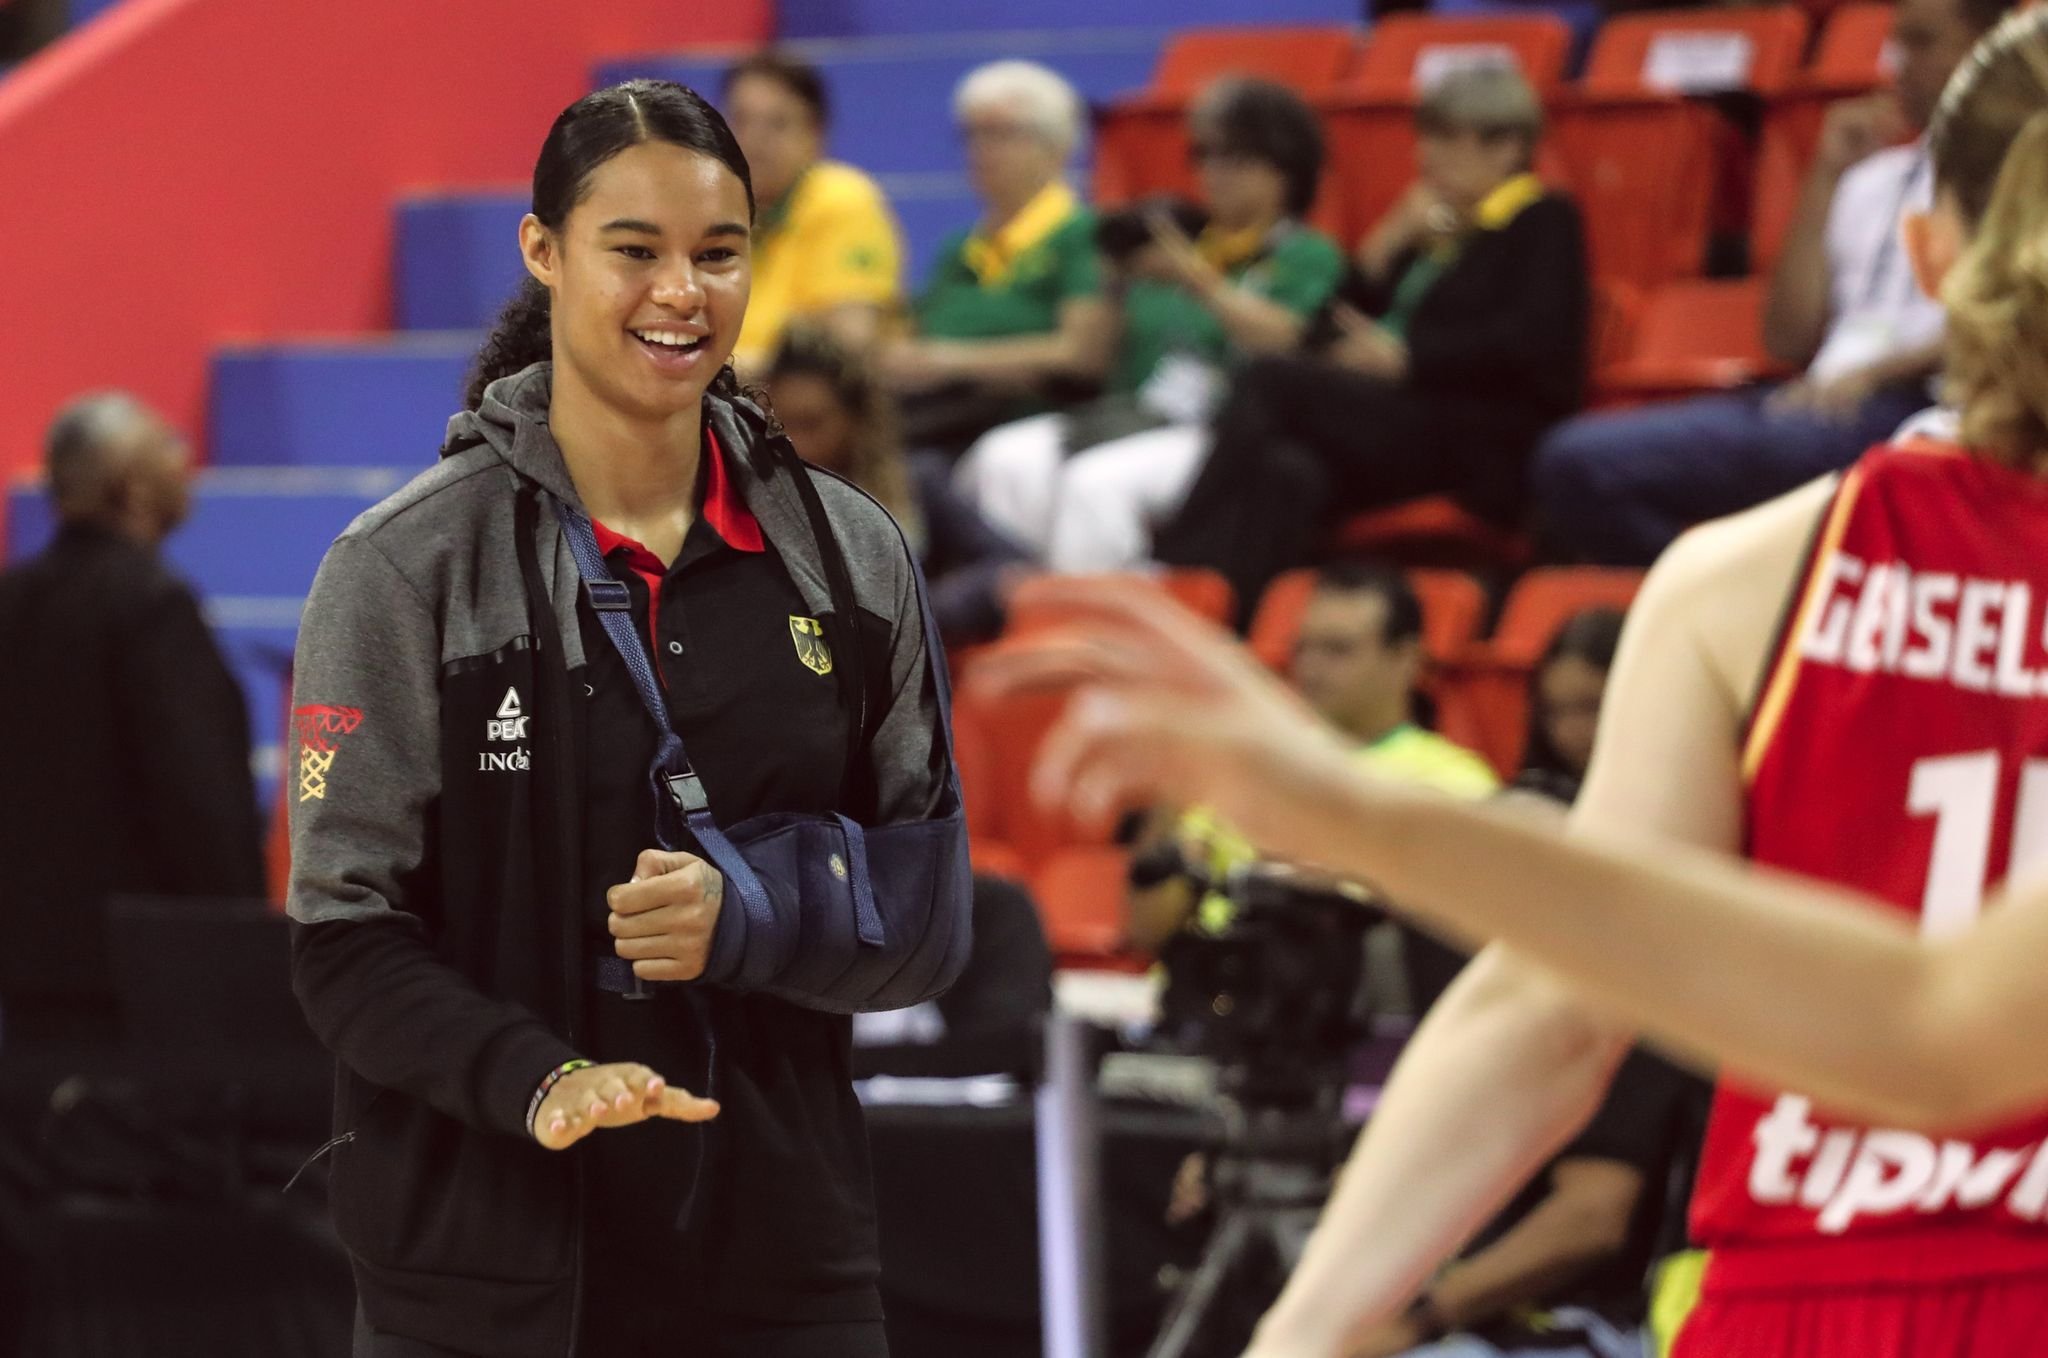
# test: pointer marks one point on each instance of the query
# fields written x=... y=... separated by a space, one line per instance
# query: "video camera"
x=1124 y=232
x=1277 y=998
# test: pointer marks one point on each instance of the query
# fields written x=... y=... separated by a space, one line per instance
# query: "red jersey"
x=1900 y=746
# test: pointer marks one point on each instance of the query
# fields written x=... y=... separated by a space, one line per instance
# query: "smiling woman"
x=509 y=882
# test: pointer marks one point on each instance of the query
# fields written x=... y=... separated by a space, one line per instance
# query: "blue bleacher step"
x=456 y=257
x=381 y=402
x=873 y=18
x=892 y=98
x=255 y=538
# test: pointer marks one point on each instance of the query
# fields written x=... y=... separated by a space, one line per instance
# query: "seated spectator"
x=836 y=412
x=1563 y=1271
x=124 y=739
x=1357 y=661
x=1564 y=704
x=825 y=244
x=1084 y=486
x=1011 y=318
x=1843 y=305
x=1564 y=710
x=1460 y=338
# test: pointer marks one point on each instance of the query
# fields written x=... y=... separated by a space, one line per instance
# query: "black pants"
x=862 y=1339
x=1301 y=441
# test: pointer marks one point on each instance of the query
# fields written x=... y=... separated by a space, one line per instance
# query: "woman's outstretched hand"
x=616 y=1095
x=1166 y=707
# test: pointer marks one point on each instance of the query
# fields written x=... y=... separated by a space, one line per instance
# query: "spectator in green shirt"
x=1083 y=486
x=1012 y=314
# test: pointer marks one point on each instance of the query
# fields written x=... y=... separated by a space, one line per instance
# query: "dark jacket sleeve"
x=365 y=761
x=1536 y=314
x=965 y=557
x=190 y=768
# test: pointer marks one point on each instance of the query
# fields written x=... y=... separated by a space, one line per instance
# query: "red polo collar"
x=723 y=509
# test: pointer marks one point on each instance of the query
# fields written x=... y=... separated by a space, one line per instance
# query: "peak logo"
x=1849 y=1174
x=511 y=722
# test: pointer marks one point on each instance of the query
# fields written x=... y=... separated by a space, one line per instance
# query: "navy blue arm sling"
x=819 y=910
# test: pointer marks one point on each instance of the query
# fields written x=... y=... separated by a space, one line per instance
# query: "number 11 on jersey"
x=1961 y=792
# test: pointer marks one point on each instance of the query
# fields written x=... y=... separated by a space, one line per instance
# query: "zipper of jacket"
x=326 y=1148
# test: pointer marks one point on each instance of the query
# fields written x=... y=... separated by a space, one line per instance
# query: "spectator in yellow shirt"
x=826 y=247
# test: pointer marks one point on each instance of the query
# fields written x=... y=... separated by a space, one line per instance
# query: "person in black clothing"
x=836 y=411
x=518 y=985
x=1459 y=338
x=124 y=739
x=1563 y=1271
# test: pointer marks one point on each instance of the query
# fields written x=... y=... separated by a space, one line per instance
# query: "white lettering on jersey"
x=1886 y=618
x=1850 y=1174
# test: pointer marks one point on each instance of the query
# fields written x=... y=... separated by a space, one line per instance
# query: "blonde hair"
x=1990 y=148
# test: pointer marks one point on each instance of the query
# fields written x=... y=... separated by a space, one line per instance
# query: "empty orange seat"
x=1692 y=335
x=1369 y=120
x=1854 y=58
x=1081 y=900
x=1436 y=531
x=1141 y=140
x=1277 y=622
x=1204 y=591
x=1641 y=153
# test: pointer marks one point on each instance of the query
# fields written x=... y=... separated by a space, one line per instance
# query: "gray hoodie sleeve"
x=365 y=769
x=908 y=759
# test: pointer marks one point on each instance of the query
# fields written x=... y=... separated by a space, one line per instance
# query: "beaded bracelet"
x=554 y=1077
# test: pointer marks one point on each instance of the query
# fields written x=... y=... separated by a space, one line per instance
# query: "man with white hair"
x=124 y=740
x=1012 y=311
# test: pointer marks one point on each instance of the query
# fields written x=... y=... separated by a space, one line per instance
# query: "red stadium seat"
x=1854 y=59
x=1644 y=156
x=1435 y=531
x=996 y=744
x=1081 y=894
x=1204 y=591
x=1693 y=335
x=1370 y=120
x=1483 y=696
x=1141 y=140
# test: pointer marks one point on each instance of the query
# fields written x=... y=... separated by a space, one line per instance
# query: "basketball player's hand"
x=616 y=1095
x=1166 y=708
x=662 y=920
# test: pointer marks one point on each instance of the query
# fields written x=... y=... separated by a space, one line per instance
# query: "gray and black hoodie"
x=437 y=948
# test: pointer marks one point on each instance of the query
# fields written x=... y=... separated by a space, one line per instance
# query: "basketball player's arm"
x=1510 y=1063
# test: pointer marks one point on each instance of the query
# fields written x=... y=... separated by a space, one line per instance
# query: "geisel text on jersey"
x=1885 y=617
x=1844 y=1173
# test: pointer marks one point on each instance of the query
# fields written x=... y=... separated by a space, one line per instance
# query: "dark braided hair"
x=587 y=134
